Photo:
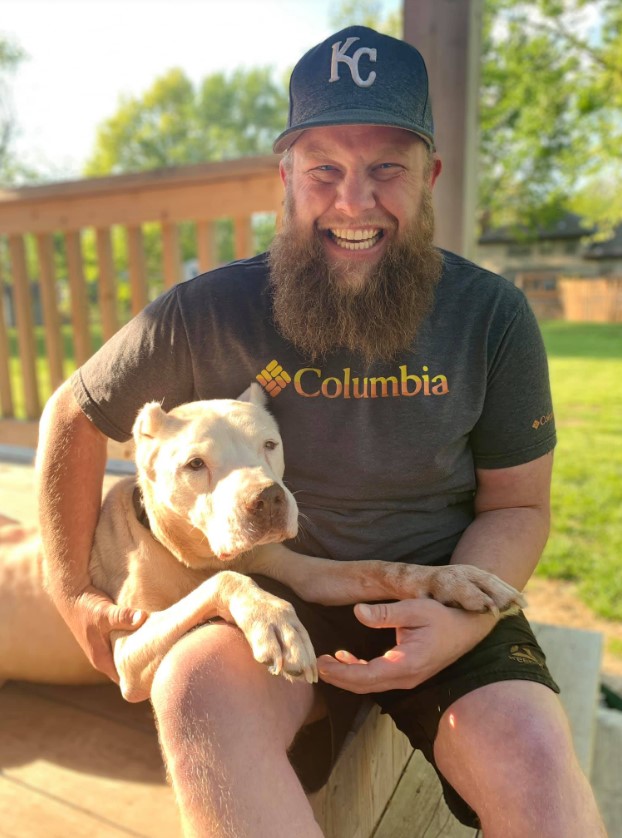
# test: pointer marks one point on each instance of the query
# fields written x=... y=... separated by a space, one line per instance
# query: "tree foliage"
x=550 y=111
x=175 y=123
x=11 y=54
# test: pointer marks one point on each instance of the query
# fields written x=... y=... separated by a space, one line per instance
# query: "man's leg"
x=506 y=748
x=225 y=725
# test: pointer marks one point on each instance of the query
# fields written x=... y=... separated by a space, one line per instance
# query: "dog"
x=208 y=507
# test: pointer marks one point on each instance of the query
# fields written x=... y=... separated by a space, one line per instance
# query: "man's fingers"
x=359 y=676
x=407 y=613
x=112 y=617
x=126 y=619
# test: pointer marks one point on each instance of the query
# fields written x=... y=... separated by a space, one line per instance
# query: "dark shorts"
x=509 y=652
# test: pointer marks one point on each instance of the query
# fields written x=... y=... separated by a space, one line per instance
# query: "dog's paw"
x=280 y=641
x=473 y=589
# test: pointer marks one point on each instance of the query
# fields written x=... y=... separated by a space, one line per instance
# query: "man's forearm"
x=70 y=465
x=507 y=542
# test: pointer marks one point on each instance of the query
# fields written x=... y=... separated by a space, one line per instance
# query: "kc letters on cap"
x=359 y=77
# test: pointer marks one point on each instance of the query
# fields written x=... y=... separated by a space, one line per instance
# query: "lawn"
x=586 y=374
x=586 y=538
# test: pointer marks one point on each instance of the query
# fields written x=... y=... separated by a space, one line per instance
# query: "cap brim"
x=354 y=117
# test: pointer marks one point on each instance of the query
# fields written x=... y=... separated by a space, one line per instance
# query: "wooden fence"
x=578 y=299
x=32 y=219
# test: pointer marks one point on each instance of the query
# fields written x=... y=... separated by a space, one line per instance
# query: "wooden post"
x=242 y=237
x=79 y=303
x=171 y=261
x=138 y=269
x=53 y=334
x=25 y=327
x=107 y=283
x=6 y=396
x=206 y=245
x=448 y=35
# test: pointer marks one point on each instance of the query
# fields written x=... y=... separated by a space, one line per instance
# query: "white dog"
x=209 y=506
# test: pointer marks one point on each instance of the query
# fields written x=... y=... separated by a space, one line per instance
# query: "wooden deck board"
x=80 y=753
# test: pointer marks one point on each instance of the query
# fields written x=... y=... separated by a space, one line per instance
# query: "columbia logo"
x=523 y=654
x=273 y=378
x=543 y=420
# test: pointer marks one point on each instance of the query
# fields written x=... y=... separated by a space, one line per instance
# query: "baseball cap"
x=359 y=77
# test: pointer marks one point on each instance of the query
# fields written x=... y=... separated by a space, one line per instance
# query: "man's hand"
x=429 y=637
x=91 y=616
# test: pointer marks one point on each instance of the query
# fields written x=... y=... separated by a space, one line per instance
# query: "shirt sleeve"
x=517 y=423
x=147 y=360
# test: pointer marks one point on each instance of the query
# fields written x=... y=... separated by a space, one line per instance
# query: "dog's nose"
x=266 y=503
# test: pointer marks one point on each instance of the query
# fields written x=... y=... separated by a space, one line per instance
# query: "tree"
x=174 y=123
x=11 y=54
x=550 y=112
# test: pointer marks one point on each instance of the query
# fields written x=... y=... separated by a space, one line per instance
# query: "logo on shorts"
x=273 y=378
x=523 y=654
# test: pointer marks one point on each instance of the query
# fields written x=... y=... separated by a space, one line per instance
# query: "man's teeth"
x=355 y=239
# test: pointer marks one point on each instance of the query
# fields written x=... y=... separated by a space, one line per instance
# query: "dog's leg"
x=342 y=583
x=276 y=636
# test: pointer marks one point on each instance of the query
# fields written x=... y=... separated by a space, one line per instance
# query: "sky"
x=83 y=55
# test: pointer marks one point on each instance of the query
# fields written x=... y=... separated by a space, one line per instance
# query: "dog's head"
x=212 y=477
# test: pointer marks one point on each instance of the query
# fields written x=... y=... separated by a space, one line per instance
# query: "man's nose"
x=355 y=194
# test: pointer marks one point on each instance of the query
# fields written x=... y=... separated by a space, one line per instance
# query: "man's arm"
x=71 y=460
x=507 y=536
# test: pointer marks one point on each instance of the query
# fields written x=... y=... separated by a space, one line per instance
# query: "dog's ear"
x=149 y=421
x=255 y=395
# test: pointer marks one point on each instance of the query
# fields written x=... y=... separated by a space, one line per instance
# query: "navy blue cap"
x=359 y=77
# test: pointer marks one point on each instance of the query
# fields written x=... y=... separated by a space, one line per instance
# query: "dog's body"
x=215 y=509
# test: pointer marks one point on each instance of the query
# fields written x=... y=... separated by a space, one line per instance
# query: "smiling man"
x=407 y=383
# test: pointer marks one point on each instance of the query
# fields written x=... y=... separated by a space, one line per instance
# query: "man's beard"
x=319 y=310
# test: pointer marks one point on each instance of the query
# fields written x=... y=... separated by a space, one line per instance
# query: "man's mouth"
x=355 y=239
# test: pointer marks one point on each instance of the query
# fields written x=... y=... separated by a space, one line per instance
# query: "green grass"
x=585 y=545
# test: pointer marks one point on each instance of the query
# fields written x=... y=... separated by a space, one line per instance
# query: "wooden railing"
x=33 y=219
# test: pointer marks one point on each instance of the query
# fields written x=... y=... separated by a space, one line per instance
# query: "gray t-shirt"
x=381 y=458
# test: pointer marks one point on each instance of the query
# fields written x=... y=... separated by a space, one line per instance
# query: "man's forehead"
x=372 y=138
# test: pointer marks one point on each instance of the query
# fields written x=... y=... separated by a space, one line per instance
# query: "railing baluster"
x=171 y=260
x=138 y=268
x=6 y=395
x=206 y=245
x=79 y=301
x=107 y=283
x=51 y=319
x=25 y=327
x=243 y=237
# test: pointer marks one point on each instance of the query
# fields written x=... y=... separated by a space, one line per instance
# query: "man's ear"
x=437 y=168
x=283 y=172
x=255 y=395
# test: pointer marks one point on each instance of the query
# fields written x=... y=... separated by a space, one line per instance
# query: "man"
x=410 y=383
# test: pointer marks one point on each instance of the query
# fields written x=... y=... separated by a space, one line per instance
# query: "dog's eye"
x=195 y=464
x=270 y=445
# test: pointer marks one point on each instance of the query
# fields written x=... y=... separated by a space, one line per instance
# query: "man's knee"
x=513 y=734
x=211 y=678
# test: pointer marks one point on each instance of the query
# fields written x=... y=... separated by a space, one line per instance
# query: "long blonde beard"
x=319 y=310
